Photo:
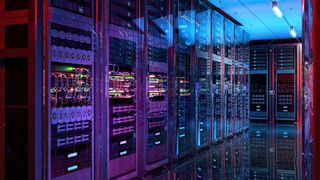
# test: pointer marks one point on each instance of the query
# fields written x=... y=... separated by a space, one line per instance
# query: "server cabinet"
x=246 y=76
x=228 y=77
x=286 y=60
x=123 y=45
x=203 y=72
x=71 y=89
x=217 y=78
x=238 y=81
x=185 y=38
x=259 y=57
x=158 y=34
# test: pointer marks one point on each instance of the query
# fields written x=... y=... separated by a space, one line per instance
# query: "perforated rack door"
x=71 y=45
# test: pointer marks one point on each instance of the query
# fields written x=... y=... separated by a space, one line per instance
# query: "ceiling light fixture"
x=276 y=9
x=293 y=32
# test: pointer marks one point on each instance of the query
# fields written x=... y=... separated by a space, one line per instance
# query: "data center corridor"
x=159 y=89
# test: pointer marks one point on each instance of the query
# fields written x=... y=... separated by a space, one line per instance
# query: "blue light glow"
x=277 y=28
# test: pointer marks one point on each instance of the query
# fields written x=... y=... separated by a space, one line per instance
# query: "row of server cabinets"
x=116 y=88
x=275 y=76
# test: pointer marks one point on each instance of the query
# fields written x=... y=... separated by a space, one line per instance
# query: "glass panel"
x=203 y=71
x=184 y=77
x=238 y=96
x=217 y=45
x=123 y=54
x=228 y=72
x=159 y=34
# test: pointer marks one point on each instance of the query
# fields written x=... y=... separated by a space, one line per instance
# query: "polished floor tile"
x=265 y=151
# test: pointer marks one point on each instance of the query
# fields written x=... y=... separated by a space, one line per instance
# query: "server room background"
x=159 y=89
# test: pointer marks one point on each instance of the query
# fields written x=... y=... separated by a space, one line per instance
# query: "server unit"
x=71 y=89
x=259 y=61
x=123 y=88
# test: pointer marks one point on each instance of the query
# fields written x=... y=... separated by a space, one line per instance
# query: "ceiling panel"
x=259 y=20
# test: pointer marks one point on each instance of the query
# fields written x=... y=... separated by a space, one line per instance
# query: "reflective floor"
x=264 y=152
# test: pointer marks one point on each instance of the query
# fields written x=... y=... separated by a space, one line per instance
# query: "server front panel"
x=122 y=83
x=71 y=89
x=286 y=60
x=229 y=70
x=259 y=57
x=157 y=88
x=185 y=119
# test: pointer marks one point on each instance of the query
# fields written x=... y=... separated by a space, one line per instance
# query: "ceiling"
x=259 y=20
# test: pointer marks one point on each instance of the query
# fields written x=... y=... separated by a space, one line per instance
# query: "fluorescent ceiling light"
x=276 y=9
x=293 y=32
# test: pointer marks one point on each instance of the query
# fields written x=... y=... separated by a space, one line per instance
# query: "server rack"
x=246 y=74
x=158 y=43
x=70 y=45
x=259 y=62
x=203 y=70
x=184 y=62
x=217 y=78
x=229 y=71
x=124 y=90
x=238 y=82
x=278 y=93
x=286 y=81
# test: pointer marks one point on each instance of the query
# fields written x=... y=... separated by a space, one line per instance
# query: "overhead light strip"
x=277 y=11
x=259 y=19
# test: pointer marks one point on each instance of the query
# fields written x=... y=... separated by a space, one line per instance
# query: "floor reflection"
x=264 y=152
